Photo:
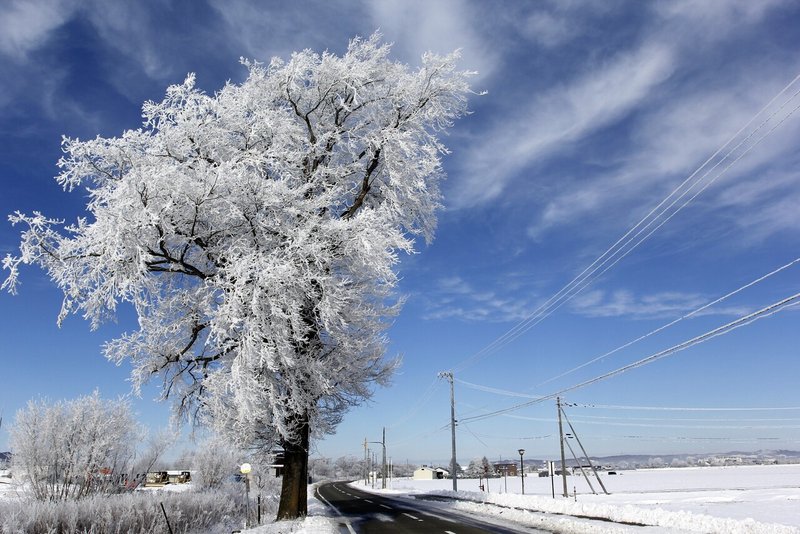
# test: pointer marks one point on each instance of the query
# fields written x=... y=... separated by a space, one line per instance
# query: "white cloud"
x=454 y=298
x=26 y=24
x=716 y=17
x=261 y=31
x=673 y=140
x=623 y=303
x=548 y=29
x=563 y=115
x=129 y=28
x=418 y=26
x=764 y=205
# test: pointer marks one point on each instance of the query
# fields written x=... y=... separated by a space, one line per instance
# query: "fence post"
x=165 y=517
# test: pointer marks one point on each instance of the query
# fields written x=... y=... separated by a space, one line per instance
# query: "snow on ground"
x=729 y=500
x=319 y=521
x=751 y=499
x=8 y=489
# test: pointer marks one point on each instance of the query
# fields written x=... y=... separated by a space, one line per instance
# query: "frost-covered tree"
x=72 y=449
x=215 y=463
x=350 y=467
x=256 y=231
x=150 y=455
x=474 y=469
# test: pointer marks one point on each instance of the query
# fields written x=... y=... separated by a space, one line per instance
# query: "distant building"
x=162 y=478
x=505 y=467
x=430 y=473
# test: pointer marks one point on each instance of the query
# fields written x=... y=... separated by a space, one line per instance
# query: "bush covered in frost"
x=134 y=513
x=73 y=449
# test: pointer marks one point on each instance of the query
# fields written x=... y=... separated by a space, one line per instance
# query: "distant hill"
x=632 y=461
x=5 y=456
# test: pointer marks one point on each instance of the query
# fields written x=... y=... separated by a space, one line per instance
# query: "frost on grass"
x=134 y=513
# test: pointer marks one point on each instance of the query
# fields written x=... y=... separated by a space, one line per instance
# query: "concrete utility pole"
x=449 y=375
x=383 y=464
x=561 y=441
x=597 y=476
x=366 y=463
x=382 y=443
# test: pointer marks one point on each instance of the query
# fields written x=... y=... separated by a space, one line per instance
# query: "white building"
x=430 y=473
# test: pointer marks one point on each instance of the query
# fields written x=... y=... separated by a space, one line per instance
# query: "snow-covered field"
x=704 y=499
x=725 y=500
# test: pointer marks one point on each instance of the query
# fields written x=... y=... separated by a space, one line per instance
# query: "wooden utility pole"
x=449 y=376
x=561 y=441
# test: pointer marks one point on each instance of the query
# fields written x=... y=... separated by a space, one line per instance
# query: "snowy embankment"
x=318 y=521
x=745 y=499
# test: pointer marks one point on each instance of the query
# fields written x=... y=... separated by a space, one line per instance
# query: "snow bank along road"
x=366 y=512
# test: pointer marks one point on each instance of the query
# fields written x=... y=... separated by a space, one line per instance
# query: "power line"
x=672 y=323
x=687 y=419
x=496 y=390
x=593 y=274
x=724 y=329
x=421 y=402
x=512 y=438
x=588 y=274
x=704 y=425
x=748 y=439
x=421 y=435
x=685 y=409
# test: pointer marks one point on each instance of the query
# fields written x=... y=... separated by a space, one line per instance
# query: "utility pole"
x=561 y=441
x=597 y=476
x=366 y=464
x=383 y=463
x=382 y=443
x=449 y=375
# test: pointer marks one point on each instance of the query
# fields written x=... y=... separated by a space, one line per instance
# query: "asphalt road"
x=364 y=513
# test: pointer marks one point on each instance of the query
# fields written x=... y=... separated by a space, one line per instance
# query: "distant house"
x=430 y=473
x=505 y=467
x=162 y=478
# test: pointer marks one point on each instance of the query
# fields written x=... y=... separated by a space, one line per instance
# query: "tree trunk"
x=294 y=496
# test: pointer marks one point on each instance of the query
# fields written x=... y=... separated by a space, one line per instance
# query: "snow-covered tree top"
x=256 y=231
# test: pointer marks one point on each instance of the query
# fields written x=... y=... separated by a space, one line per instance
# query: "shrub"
x=131 y=513
x=72 y=449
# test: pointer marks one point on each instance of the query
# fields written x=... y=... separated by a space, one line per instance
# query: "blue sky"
x=594 y=113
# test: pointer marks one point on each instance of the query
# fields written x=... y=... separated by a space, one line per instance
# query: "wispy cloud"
x=669 y=143
x=455 y=298
x=664 y=114
x=26 y=24
x=664 y=305
x=418 y=26
x=561 y=116
x=717 y=18
x=260 y=32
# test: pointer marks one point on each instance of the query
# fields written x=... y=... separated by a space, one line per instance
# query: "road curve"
x=365 y=513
